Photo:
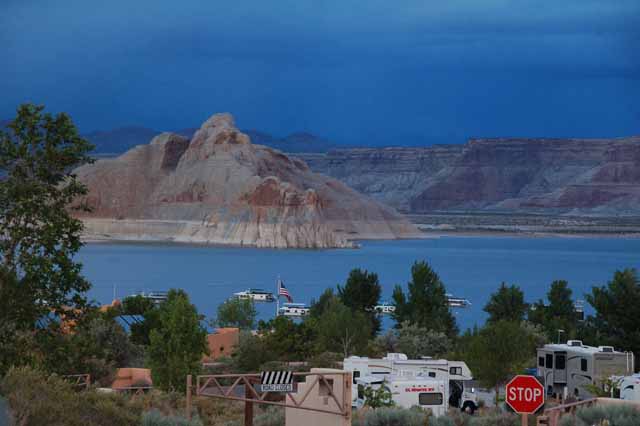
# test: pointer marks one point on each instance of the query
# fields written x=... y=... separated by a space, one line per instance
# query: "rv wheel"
x=469 y=408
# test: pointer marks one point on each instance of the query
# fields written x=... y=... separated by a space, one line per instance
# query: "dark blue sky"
x=401 y=72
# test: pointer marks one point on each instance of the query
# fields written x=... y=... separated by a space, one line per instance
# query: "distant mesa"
x=595 y=177
x=217 y=187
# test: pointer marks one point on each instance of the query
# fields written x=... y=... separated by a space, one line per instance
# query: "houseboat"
x=385 y=308
x=457 y=302
x=255 y=294
x=293 y=310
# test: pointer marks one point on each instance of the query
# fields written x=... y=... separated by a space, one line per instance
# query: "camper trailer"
x=407 y=392
x=567 y=369
x=455 y=374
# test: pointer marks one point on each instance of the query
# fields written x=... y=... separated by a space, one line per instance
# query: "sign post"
x=525 y=394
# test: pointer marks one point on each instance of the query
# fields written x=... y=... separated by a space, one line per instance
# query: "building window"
x=430 y=398
x=540 y=361
x=549 y=361
x=583 y=364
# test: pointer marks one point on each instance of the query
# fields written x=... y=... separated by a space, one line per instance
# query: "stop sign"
x=525 y=394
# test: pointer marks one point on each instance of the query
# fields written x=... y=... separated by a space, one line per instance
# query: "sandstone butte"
x=219 y=188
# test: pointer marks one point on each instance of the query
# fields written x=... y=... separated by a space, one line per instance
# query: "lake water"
x=470 y=267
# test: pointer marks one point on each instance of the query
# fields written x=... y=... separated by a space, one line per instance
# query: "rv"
x=407 y=392
x=455 y=374
x=293 y=310
x=255 y=294
x=627 y=386
x=568 y=369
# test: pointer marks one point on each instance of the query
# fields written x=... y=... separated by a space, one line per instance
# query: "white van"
x=461 y=393
x=407 y=392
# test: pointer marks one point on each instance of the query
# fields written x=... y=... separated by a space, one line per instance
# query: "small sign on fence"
x=275 y=381
x=287 y=387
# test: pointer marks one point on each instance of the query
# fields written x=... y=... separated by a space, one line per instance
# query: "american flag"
x=282 y=291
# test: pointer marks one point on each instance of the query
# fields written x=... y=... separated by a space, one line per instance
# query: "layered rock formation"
x=558 y=176
x=220 y=188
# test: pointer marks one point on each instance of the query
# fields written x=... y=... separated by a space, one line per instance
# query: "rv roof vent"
x=606 y=348
x=396 y=356
x=577 y=343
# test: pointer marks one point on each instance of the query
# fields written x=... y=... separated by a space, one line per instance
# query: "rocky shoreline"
x=478 y=224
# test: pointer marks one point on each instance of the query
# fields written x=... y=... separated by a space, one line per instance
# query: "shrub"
x=618 y=415
x=496 y=418
x=272 y=416
x=36 y=399
x=156 y=418
x=217 y=412
x=390 y=417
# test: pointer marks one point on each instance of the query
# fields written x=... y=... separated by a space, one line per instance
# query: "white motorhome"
x=567 y=369
x=407 y=392
x=456 y=374
x=628 y=387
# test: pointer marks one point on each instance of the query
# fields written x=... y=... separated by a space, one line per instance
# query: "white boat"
x=457 y=302
x=293 y=310
x=385 y=308
x=255 y=294
x=157 y=297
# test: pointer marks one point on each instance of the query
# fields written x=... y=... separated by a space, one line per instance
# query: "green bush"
x=612 y=415
x=496 y=418
x=390 y=417
x=156 y=418
x=272 y=416
x=36 y=399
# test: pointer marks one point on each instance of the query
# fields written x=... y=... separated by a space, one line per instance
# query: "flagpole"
x=278 y=296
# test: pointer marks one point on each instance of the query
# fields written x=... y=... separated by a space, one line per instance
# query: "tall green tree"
x=38 y=236
x=288 y=339
x=362 y=293
x=417 y=342
x=426 y=302
x=178 y=344
x=321 y=305
x=616 y=306
x=240 y=313
x=559 y=314
x=341 y=329
x=144 y=307
x=506 y=304
x=498 y=351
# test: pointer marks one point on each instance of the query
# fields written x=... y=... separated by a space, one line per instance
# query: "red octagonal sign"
x=525 y=394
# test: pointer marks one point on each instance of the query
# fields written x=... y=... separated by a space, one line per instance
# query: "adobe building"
x=221 y=343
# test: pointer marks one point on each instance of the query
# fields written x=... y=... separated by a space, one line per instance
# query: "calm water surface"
x=470 y=267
